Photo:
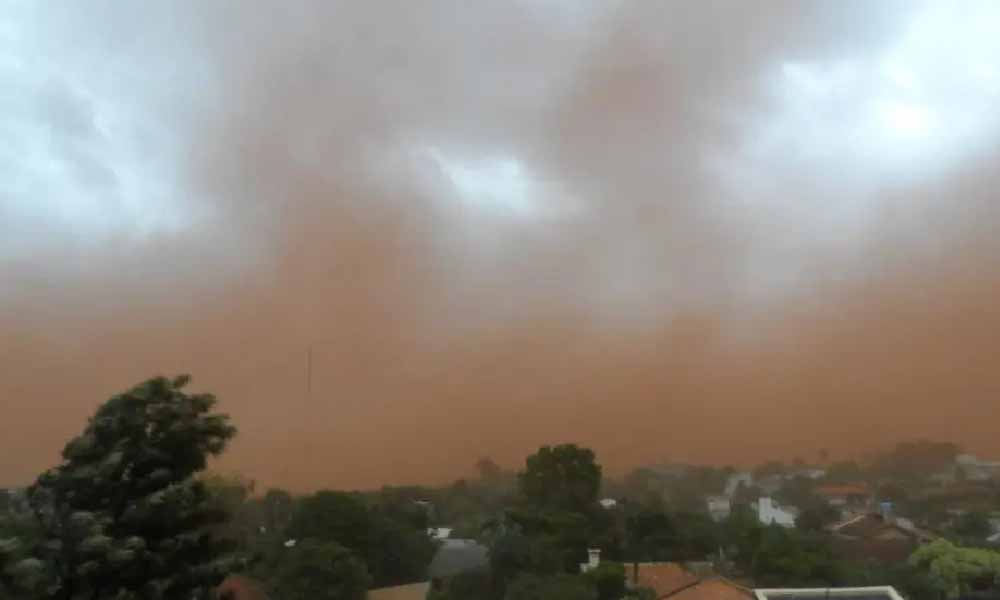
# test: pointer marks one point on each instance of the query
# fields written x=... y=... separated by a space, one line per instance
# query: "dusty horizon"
x=714 y=233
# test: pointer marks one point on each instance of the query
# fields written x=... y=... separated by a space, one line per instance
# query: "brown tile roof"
x=662 y=578
x=238 y=587
x=876 y=526
x=872 y=537
x=715 y=588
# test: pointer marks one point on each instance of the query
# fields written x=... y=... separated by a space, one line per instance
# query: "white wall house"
x=768 y=512
x=719 y=507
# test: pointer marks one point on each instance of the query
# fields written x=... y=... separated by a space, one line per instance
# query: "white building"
x=976 y=469
x=593 y=560
x=768 y=512
x=859 y=593
x=439 y=533
x=719 y=507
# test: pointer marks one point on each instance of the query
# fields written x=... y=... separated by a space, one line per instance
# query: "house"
x=877 y=537
x=719 y=507
x=593 y=560
x=713 y=588
x=439 y=533
x=456 y=556
x=856 y=593
x=663 y=578
x=679 y=582
x=768 y=512
x=845 y=494
x=976 y=469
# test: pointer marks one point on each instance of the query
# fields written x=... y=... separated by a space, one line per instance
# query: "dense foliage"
x=955 y=570
x=564 y=477
x=319 y=570
x=124 y=515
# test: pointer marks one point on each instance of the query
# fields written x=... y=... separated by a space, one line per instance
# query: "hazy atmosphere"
x=713 y=232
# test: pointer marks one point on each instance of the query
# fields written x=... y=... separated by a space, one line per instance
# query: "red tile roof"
x=662 y=578
x=715 y=588
x=238 y=587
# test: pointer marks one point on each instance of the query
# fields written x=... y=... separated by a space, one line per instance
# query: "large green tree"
x=973 y=526
x=124 y=515
x=565 y=477
x=277 y=507
x=608 y=580
x=319 y=570
x=388 y=532
x=651 y=536
x=340 y=517
x=955 y=570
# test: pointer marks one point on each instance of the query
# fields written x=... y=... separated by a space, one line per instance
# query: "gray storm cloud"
x=479 y=210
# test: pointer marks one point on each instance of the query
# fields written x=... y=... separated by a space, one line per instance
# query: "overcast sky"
x=713 y=231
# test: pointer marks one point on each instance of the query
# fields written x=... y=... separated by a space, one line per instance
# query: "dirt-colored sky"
x=711 y=231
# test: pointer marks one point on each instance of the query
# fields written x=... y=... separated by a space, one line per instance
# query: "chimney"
x=885 y=508
x=594 y=558
x=765 y=510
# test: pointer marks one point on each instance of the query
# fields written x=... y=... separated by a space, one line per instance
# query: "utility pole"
x=309 y=374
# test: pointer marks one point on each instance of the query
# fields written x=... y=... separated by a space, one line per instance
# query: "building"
x=973 y=468
x=593 y=560
x=456 y=556
x=680 y=582
x=663 y=578
x=719 y=507
x=713 y=588
x=877 y=537
x=439 y=533
x=769 y=513
x=857 y=593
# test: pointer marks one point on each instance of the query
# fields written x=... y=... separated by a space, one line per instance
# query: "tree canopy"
x=956 y=569
x=387 y=532
x=319 y=570
x=565 y=477
x=124 y=514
